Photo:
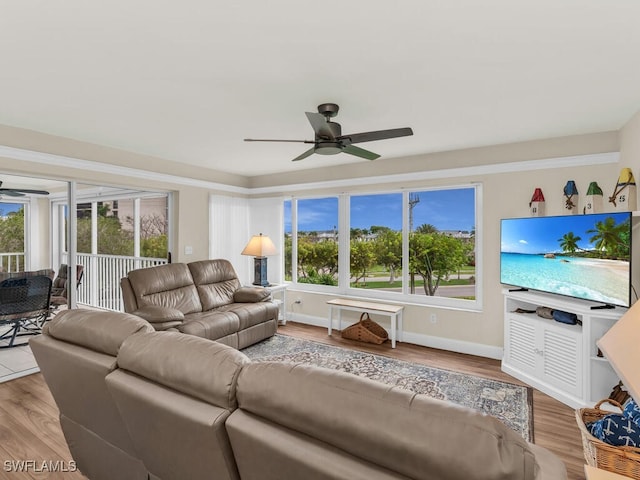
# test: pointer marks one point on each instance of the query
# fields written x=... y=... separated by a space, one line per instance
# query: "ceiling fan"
x=20 y=192
x=329 y=139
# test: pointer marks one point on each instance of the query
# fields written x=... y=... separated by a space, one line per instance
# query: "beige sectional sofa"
x=75 y=353
x=197 y=409
x=202 y=298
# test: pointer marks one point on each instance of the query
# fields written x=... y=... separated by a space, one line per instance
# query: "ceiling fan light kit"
x=329 y=139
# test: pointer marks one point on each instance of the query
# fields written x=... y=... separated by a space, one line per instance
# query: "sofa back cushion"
x=216 y=281
x=169 y=285
x=96 y=330
x=199 y=367
x=394 y=429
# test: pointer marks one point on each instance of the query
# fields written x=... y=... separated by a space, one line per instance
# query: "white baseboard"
x=452 y=345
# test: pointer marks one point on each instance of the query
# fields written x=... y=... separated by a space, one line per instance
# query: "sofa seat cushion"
x=169 y=285
x=251 y=314
x=212 y=325
x=414 y=435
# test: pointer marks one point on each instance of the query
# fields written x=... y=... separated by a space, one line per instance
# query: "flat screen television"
x=581 y=256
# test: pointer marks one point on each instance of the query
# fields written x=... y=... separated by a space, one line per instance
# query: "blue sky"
x=536 y=235
x=6 y=208
x=445 y=209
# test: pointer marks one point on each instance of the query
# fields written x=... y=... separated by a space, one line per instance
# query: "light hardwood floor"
x=29 y=428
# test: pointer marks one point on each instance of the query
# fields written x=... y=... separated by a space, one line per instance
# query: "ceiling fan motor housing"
x=330 y=131
x=329 y=110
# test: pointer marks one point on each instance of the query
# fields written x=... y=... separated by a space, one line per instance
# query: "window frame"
x=344 y=271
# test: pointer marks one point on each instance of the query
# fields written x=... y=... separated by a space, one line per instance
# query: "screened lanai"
x=110 y=231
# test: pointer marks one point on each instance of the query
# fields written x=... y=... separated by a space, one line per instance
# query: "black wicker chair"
x=24 y=306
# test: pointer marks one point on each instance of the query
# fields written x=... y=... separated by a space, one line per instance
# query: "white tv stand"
x=558 y=359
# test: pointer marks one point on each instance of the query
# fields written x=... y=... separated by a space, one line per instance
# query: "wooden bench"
x=393 y=311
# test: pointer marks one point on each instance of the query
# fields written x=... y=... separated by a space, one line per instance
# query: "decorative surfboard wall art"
x=624 y=196
x=593 y=199
x=536 y=205
x=571 y=197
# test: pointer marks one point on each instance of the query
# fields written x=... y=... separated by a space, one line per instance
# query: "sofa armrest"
x=251 y=295
x=158 y=314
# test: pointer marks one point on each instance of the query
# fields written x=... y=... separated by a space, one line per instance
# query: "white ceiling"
x=188 y=80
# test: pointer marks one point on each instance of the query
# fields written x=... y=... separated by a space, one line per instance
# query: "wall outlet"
x=433 y=318
x=188 y=250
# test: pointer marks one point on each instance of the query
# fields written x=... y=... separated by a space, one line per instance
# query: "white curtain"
x=267 y=217
x=232 y=223
x=229 y=233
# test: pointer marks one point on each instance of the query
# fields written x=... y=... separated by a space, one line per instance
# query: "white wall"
x=630 y=157
x=504 y=195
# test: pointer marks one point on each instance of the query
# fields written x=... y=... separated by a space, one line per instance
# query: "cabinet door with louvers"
x=561 y=354
x=521 y=344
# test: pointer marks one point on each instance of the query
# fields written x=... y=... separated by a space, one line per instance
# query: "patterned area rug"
x=510 y=403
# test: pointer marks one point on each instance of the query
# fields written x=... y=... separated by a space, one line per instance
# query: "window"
x=12 y=237
x=136 y=226
x=417 y=245
x=375 y=246
x=287 y=241
x=442 y=243
x=317 y=241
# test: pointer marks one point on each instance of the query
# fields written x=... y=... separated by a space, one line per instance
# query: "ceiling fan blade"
x=377 y=135
x=306 y=154
x=10 y=193
x=19 y=192
x=272 y=140
x=360 y=152
x=320 y=125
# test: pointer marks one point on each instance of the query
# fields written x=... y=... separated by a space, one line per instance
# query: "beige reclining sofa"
x=202 y=298
x=197 y=409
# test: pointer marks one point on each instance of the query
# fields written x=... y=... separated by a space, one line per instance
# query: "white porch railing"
x=100 y=285
x=12 y=262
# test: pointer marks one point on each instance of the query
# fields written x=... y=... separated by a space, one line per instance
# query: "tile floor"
x=16 y=362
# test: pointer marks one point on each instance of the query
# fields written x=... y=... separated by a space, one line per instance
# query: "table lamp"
x=260 y=246
x=620 y=345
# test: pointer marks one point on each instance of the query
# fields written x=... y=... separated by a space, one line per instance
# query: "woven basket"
x=366 y=330
x=621 y=460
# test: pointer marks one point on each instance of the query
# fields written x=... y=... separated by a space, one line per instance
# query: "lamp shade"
x=620 y=345
x=259 y=246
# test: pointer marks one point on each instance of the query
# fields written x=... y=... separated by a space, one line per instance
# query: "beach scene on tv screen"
x=583 y=256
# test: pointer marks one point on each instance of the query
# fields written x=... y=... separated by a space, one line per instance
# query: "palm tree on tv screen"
x=569 y=242
x=611 y=239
